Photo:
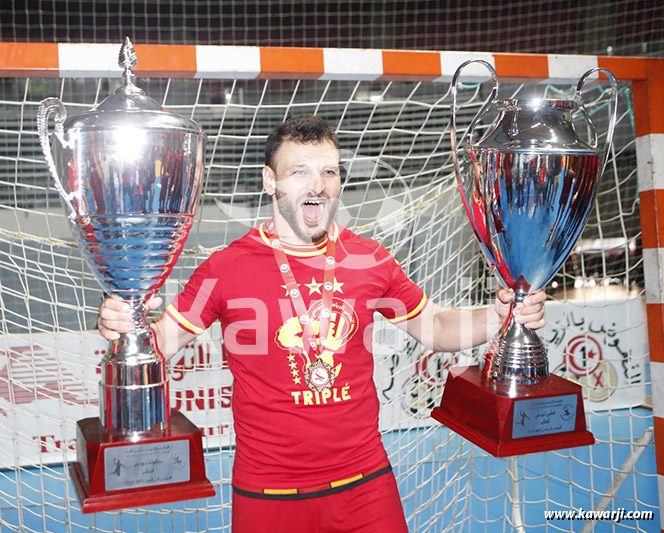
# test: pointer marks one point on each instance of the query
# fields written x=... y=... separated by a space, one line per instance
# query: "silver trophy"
x=528 y=187
x=129 y=173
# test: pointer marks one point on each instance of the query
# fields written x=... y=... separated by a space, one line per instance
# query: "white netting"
x=628 y=27
x=399 y=189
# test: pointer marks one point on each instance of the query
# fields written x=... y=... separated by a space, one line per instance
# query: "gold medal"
x=319 y=376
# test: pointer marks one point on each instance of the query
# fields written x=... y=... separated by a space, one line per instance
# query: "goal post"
x=649 y=127
x=390 y=109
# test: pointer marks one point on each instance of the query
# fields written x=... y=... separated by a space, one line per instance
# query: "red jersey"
x=289 y=435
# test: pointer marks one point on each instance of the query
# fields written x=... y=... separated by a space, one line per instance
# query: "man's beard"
x=290 y=210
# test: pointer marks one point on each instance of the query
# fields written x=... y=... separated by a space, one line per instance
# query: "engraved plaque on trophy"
x=129 y=174
x=527 y=187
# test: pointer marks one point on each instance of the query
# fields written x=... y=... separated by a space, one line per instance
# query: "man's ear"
x=269 y=180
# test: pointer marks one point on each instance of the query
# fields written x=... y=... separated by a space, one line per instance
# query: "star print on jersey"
x=343 y=325
x=286 y=288
x=338 y=285
x=314 y=287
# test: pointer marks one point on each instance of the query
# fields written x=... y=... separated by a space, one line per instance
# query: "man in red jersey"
x=296 y=298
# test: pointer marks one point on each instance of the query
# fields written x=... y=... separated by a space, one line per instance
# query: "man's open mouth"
x=312 y=209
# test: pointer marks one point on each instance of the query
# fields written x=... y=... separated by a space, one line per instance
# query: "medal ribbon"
x=308 y=336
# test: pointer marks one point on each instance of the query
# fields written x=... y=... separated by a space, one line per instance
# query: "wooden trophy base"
x=507 y=419
x=164 y=466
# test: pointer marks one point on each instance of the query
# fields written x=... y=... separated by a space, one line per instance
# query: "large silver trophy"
x=129 y=174
x=528 y=187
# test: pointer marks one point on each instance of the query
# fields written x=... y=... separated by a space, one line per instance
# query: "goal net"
x=398 y=188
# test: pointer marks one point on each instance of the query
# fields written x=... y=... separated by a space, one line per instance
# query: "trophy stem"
x=138 y=316
x=516 y=353
x=133 y=386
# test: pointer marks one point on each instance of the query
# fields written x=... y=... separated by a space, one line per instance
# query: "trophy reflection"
x=528 y=187
x=129 y=174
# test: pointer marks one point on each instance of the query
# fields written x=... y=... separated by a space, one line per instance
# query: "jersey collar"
x=300 y=250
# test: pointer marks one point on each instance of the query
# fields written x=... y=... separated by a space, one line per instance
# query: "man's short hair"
x=303 y=129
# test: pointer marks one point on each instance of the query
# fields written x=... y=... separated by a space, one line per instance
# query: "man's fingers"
x=524 y=318
x=538 y=297
x=107 y=313
x=122 y=326
x=115 y=316
x=108 y=334
x=529 y=312
x=529 y=309
x=114 y=320
x=115 y=303
x=504 y=295
x=536 y=325
x=153 y=303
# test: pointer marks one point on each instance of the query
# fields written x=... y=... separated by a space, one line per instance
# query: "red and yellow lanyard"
x=311 y=342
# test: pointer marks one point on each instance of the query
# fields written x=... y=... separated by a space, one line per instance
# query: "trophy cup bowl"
x=129 y=173
x=527 y=187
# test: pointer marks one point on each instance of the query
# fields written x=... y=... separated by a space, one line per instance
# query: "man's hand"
x=115 y=316
x=530 y=312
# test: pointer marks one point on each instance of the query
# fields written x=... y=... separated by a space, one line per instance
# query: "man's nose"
x=317 y=185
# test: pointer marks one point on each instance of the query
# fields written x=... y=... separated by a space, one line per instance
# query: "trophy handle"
x=578 y=98
x=47 y=107
x=471 y=129
x=468 y=137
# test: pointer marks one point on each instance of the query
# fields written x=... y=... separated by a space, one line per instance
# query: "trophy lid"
x=130 y=106
x=535 y=125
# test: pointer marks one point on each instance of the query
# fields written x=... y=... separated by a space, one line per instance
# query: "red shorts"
x=372 y=507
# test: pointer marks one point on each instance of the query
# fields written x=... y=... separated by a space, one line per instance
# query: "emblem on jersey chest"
x=317 y=364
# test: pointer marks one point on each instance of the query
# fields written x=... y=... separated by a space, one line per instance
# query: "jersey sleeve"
x=196 y=307
x=403 y=298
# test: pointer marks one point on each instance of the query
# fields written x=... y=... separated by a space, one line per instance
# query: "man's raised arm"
x=451 y=330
